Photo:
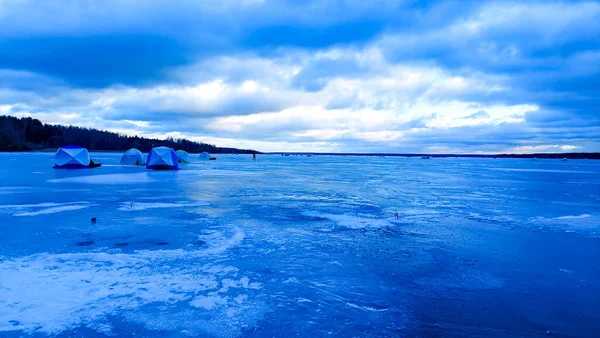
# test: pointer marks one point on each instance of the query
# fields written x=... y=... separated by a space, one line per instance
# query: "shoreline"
x=53 y=150
x=574 y=156
x=569 y=156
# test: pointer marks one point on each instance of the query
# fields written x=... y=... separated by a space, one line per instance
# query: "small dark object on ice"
x=85 y=243
x=93 y=220
x=94 y=165
x=212 y=158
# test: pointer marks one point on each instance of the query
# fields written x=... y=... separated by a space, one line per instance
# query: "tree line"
x=24 y=134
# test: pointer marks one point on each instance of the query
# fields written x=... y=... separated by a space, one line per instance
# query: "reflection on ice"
x=106 y=179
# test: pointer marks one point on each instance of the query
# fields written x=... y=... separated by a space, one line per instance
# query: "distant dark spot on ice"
x=162 y=243
x=85 y=243
x=121 y=244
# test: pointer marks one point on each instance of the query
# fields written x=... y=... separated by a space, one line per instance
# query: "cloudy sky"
x=351 y=76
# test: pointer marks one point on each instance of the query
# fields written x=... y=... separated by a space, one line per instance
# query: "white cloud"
x=375 y=106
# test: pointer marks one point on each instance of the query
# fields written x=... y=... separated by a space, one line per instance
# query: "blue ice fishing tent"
x=205 y=156
x=162 y=158
x=71 y=157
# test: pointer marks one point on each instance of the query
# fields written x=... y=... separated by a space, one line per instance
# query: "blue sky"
x=352 y=76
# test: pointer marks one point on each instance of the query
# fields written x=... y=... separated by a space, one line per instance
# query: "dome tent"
x=71 y=157
x=132 y=157
x=183 y=156
x=205 y=156
x=162 y=158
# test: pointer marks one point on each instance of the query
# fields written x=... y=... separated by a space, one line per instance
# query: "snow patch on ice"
x=581 y=222
x=15 y=190
x=42 y=208
x=53 y=210
x=490 y=217
x=218 y=246
x=52 y=293
x=22 y=206
x=574 y=217
x=137 y=206
x=366 y=308
x=208 y=302
x=348 y=221
x=106 y=179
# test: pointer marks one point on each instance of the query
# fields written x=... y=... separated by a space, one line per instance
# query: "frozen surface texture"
x=308 y=246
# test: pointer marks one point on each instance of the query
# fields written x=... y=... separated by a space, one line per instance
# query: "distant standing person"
x=254 y=157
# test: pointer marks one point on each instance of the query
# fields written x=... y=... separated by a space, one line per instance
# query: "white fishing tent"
x=72 y=157
x=132 y=157
x=205 y=156
x=162 y=158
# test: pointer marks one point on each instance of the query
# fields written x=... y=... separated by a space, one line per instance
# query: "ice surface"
x=467 y=279
x=296 y=246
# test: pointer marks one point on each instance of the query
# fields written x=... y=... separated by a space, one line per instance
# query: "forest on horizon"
x=26 y=134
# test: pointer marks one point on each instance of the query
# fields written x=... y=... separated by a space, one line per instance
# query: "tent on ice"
x=205 y=156
x=71 y=157
x=132 y=157
x=183 y=156
x=162 y=158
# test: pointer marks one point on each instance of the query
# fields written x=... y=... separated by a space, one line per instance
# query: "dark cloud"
x=94 y=61
x=97 y=45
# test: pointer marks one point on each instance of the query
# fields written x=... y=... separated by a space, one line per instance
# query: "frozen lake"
x=286 y=246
